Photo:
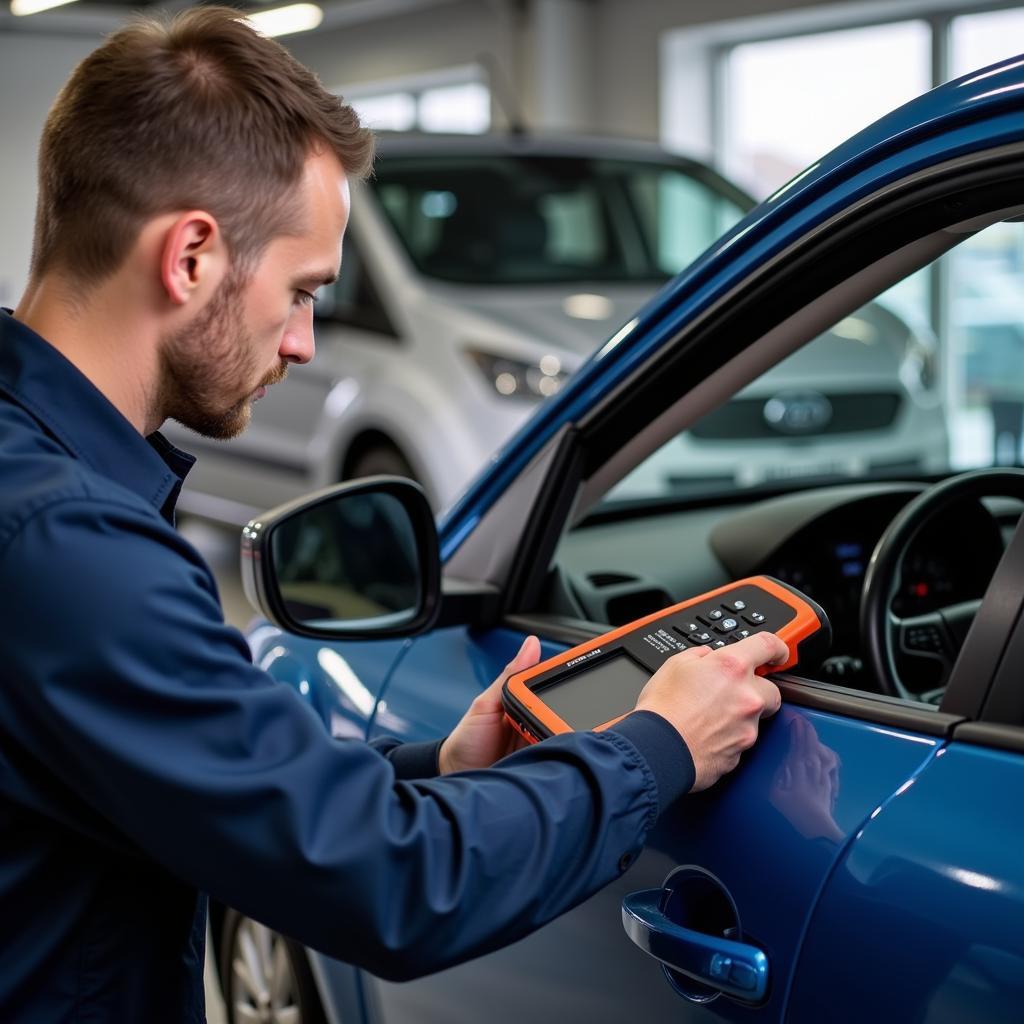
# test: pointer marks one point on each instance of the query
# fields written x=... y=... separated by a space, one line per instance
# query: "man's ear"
x=194 y=258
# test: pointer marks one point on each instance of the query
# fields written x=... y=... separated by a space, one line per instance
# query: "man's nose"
x=297 y=345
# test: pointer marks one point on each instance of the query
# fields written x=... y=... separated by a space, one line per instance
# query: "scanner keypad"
x=732 y=618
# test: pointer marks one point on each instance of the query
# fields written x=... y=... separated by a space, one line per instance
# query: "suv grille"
x=744 y=419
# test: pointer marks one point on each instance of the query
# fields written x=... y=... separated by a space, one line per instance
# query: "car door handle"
x=734 y=968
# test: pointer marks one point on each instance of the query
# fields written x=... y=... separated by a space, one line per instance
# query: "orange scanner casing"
x=650 y=641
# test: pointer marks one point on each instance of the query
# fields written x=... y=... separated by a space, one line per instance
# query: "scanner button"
x=754 y=618
x=701 y=637
x=726 y=626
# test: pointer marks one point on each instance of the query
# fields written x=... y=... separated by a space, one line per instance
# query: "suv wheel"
x=265 y=977
x=380 y=458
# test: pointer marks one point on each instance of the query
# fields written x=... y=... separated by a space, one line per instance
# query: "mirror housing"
x=356 y=561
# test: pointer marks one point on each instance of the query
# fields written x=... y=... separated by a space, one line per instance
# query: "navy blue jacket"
x=145 y=762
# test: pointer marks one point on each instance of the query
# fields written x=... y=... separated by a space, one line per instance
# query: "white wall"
x=616 y=89
x=32 y=70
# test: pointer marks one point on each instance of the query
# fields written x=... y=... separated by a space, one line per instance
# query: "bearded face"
x=211 y=371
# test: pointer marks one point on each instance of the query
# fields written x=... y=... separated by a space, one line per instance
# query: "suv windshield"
x=528 y=219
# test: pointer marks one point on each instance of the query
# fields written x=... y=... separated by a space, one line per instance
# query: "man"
x=193 y=195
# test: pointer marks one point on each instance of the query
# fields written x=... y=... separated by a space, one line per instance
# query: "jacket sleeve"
x=126 y=682
x=409 y=760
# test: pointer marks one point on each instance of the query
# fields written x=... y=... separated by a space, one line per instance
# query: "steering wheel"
x=939 y=635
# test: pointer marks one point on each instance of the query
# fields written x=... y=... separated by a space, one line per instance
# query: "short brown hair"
x=199 y=112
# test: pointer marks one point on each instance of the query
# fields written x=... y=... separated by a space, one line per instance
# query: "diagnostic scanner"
x=595 y=684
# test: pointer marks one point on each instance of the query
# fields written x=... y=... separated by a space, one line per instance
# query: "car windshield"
x=527 y=219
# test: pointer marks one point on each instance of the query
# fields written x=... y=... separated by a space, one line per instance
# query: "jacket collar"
x=69 y=407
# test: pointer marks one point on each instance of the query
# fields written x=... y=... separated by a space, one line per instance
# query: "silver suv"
x=478 y=273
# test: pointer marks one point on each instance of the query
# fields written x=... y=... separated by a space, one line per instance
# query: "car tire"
x=265 y=977
x=380 y=459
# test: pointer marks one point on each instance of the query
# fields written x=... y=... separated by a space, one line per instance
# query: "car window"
x=353 y=299
x=914 y=382
x=801 y=472
x=508 y=219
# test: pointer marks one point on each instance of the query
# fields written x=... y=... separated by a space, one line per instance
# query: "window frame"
x=845 y=245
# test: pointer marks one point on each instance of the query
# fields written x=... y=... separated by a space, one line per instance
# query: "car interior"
x=900 y=576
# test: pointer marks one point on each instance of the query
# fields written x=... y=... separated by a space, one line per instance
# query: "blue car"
x=866 y=860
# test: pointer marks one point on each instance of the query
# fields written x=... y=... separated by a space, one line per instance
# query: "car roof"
x=519 y=144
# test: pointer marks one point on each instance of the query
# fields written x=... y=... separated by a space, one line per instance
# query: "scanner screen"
x=593 y=696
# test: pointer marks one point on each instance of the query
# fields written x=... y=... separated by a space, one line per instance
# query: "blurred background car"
x=480 y=271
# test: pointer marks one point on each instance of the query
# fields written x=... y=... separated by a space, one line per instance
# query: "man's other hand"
x=715 y=701
x=484 y=734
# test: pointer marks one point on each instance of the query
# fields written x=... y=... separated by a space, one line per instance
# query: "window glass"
x=387 y=111
x=878 y=395
x=788 y=101
x=986 y=336
x=518 y=219
x=459 y=106
x=352 y=299
x=982 y=39
x=679 y=216
x=455 y=108
x=876 y=398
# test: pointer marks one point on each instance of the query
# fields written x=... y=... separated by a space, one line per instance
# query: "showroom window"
x=785 y=91
x=454 y=100
x=981 y=39
x=788 y=101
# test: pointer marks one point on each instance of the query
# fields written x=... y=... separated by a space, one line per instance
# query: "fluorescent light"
x=282 y=21
x=21 y=8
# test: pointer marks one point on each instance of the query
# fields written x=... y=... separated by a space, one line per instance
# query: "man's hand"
x=484 y=735
x=715 y=701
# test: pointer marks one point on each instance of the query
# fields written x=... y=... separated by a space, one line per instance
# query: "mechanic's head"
x=199 y=172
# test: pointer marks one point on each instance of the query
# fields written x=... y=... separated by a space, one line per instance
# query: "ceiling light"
x=21 y=8
x=283 y=21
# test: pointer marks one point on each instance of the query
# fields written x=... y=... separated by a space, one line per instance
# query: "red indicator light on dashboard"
x=919 y=589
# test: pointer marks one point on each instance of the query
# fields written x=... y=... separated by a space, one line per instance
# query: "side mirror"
x=357 y=561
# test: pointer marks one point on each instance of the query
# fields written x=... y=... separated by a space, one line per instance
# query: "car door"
x=749 y=860
x=920 y=920
x=766 y=858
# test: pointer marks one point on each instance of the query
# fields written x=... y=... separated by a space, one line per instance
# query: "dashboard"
x=613 y=570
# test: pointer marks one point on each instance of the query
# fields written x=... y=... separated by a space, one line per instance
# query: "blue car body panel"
x=342 y=683
x=444 y=671
x=876 y=916
x=922 y=920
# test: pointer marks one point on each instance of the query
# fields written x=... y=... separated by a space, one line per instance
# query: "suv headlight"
x=919 y=369
x=514 y=378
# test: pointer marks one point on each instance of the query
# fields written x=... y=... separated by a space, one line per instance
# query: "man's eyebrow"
x=318 y=278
